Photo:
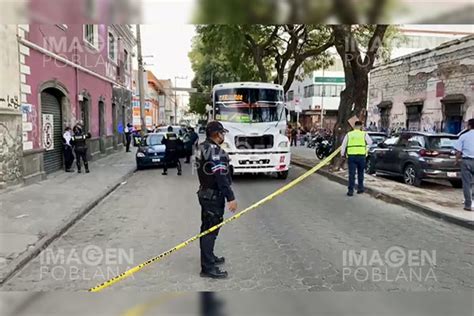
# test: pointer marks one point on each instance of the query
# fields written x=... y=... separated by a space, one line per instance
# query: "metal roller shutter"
x=53 y=159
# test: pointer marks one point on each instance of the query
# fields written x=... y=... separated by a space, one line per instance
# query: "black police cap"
x=215 y=126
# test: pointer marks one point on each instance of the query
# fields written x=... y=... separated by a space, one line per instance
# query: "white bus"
x=254 y=114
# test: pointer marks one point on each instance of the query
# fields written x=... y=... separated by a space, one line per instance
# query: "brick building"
x=430 y=90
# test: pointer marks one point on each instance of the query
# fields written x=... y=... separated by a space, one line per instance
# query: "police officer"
x=80 y=147
x=355 y=145
x=212 y=164
x=174 y=147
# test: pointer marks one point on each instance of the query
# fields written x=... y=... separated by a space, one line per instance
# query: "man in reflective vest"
x=355 y=146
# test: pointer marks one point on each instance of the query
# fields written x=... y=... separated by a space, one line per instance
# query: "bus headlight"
x=283 y=144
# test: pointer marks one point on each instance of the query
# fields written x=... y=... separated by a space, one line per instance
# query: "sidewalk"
x=33 y=216
x=435 y=200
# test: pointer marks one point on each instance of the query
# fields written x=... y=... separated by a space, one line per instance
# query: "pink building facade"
x=72 y=73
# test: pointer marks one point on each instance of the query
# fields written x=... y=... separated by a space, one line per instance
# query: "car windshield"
x=442 y=142
x=377 y=139
x=249 y=105
x=153 y=140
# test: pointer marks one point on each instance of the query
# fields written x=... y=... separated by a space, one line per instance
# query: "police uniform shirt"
x=213 y=169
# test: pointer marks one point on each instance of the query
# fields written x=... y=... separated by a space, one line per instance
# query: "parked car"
x=377 y=138
x=417 y=156
x=151 y=151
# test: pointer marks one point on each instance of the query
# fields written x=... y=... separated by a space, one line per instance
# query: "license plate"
x=452 y=174
x=156 y=160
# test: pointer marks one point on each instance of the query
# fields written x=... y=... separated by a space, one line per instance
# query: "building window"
x=90 y=9
x=91 y=35
x=126 y=60
x=112 y=47
x=291 y=95
x=309 y=91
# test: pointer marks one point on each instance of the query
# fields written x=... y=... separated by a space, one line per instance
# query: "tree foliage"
x=267 y=53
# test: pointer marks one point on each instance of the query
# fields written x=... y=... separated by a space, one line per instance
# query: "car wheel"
x=319 y=153
x=411 y=176
x=456 y=183
x=370 y=165
x=139 y=167
x=283 y=175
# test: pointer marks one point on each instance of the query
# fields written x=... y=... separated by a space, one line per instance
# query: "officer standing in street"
x=465 y=152
x=355 y=146
x=215 y=180
x=174 y=148
x=80 y=146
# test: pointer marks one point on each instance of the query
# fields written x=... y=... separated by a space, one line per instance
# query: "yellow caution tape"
x=285 y=188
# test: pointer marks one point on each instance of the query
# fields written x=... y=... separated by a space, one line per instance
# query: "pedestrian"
x=355 y=146
x=215 y=181
x=190 y=140
x=294 y=136
x=67 y=146
x=465 y=154
x=174 y=148
x=128 y=136
x=80 y=146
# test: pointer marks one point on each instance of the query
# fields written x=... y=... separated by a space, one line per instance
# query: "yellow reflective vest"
x=356 y=144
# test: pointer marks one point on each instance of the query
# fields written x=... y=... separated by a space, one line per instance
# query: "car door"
x=382 y=153
x=396 y=153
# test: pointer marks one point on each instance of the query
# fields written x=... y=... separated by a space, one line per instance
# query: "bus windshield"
x=248 y=105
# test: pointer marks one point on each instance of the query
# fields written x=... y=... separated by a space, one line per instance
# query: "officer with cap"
x=215 y=180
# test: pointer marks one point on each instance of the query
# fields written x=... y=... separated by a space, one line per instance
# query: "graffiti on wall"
x=10 y=152
x=10 y=102
x=428 y=124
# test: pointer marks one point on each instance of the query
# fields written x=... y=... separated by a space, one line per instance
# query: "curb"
x=413 y=206
x=22 y=260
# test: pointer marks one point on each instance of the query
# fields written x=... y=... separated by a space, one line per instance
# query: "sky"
x=169 y=44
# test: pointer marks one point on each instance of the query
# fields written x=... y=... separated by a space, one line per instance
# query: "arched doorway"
x=52 y=128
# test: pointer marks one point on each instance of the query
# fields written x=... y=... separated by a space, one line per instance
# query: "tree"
x=210 y=68
x=267 y=52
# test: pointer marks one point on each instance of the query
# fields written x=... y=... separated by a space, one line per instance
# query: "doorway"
x=102 y=132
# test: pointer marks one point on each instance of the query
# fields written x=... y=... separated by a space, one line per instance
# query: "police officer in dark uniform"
x=80 y=147
x=174 y=148
x=215 y=180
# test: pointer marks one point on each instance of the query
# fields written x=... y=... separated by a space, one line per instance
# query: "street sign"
x=298 y=109
x=330 y=79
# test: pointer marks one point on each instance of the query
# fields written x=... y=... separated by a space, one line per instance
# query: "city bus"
x=254 y=113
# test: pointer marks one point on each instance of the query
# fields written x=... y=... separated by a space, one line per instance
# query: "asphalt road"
x=295 y=242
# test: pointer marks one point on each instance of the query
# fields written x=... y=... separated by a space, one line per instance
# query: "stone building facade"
x=11 y=151
x=431 y=90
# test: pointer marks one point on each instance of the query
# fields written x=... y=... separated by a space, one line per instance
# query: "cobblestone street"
x=295 y=242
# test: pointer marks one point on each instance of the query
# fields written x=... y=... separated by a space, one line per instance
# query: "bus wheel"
x=282 y=175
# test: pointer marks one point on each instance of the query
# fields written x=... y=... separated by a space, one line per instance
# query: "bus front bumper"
x=268 y=162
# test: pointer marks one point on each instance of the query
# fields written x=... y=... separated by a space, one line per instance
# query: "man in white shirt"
x=465 y=153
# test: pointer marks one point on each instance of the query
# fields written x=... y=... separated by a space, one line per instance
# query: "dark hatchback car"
x=417 y=156
x=151 y=151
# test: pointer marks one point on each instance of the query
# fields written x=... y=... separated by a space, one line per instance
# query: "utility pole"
x=175 y=103
x=141 y=87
